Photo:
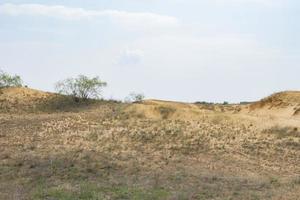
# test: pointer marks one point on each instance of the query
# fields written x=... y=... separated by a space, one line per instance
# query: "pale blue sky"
x=185 y=50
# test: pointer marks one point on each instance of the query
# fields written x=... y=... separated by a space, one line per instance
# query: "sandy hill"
x=159 y=109
x=22 y=93
x=21 y=98
x=284 y=104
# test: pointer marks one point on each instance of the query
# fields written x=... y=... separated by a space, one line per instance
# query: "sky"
x=182 y=50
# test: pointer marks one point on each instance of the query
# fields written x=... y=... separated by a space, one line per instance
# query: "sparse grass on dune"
x=151 y=150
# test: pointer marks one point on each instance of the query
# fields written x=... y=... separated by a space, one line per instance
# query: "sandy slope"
x=21 y=99
x=283 y=104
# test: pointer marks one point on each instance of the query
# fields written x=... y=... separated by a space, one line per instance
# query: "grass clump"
x=165 y=111
x=88 y=191
x=283 y=132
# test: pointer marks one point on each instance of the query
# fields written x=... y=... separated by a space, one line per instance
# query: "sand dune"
x=53 y=148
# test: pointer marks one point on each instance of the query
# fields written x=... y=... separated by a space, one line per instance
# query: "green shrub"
x=225 y=103
x=135 y=97
x=81 y=87
x=7 y=80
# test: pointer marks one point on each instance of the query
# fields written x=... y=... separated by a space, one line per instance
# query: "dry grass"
x=153 y=150
x=284 y=131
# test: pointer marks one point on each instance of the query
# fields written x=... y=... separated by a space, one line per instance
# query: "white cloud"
x=130 y=57
x=130 y=19
x=261 y=2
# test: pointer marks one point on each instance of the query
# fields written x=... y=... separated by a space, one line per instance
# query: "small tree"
x=225 y=103
x=81 y=87
x=7 y=80
x=135 y=97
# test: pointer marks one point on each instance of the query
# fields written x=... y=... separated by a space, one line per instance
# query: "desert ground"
x=53 y=148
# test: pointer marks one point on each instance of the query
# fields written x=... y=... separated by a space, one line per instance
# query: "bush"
x=246 y=102
x=7 y=80
x=204 y=102
x=81 y=87
x=135 y=97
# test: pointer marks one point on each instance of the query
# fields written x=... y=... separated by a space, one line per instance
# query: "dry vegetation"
x=53 y=149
